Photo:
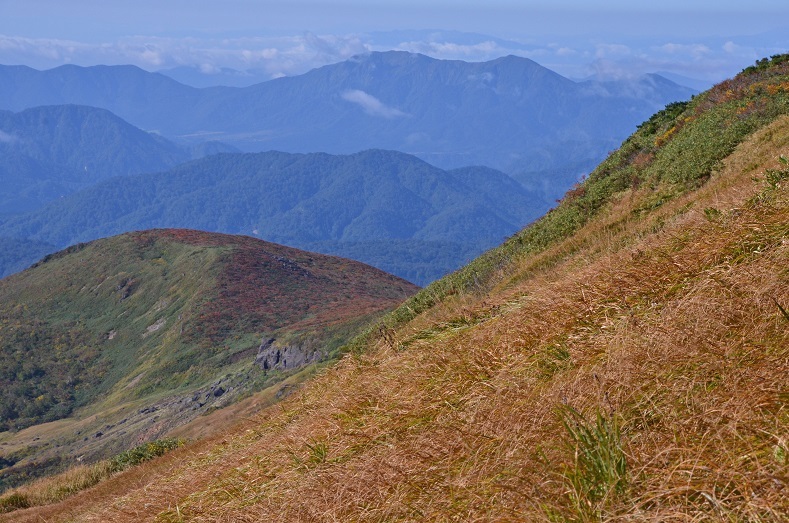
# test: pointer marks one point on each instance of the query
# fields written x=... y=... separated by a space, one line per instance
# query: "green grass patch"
x=144 y=452
x=597 y=475
x=58 y=488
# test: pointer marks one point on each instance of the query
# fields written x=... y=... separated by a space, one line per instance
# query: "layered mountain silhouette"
x=383 y=207
x=623 y=358
x=18 y=254
x=510 y=113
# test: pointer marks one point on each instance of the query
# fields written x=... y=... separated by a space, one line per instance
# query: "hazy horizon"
x=267 y=39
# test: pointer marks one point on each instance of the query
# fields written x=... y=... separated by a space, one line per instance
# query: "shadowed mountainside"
x=49 y=152
x=16 y=255
x=510 y=113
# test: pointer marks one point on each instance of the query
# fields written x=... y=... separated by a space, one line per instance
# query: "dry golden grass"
x=56 y=488
x=667 y=322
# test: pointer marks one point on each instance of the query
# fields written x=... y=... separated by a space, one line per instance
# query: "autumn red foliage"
x=264 y=286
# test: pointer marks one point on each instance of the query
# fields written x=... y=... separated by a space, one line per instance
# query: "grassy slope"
x=111 y=342
x=652 y=301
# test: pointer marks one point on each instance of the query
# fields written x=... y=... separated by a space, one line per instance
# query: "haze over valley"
x=508 y=128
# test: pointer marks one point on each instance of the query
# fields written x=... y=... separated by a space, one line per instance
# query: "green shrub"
x=13 y=501
x=766 y=63
x=144 y=453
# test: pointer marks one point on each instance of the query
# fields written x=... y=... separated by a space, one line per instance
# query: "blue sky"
x=705 y=40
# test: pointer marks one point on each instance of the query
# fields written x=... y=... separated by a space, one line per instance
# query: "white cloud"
x=566 y=51
x=691 y=50
x=209 y=69
x=265 y=57
x=606 y=50
x=704 y=60
x=152 y=57
x=613 y=70
x=730 y=47
x=276 y=56
x=371 y=105
x=7 y=138
x=450 y=50
x=39 y=48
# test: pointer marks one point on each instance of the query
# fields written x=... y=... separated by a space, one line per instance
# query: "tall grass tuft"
x=13 y=501
x=598 y=474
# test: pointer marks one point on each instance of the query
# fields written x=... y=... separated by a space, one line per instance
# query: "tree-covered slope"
x=51 y=151
x=624 y=358
x=131 y=336
x=377 y=205
x=127 y=91
x=16 y=255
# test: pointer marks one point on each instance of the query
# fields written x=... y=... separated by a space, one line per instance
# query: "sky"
x=703 y=40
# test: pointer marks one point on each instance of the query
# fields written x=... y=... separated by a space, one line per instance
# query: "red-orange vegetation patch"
x=263 y=286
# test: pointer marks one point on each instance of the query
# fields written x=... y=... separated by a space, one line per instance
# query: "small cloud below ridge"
x=7 y=138
x=371 y=105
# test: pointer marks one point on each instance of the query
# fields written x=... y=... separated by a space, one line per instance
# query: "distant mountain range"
x=511 y=113
x=388 y=208
x=194 y=76
x=624 y=358
x=18 y=254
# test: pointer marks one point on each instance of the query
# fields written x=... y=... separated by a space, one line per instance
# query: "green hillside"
x=165 y=321
x=677 y=150
x=624 y=358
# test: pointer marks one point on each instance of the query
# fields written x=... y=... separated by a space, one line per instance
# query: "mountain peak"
x=509 y=113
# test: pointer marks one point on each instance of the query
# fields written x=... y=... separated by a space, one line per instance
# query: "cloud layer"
x=275 y=56
x=269 y=57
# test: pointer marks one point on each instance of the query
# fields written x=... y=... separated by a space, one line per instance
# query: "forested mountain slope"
x=510 y=113
x=384 y=208
x=52 y=151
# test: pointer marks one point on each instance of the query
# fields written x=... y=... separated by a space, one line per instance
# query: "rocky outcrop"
x=273 y=356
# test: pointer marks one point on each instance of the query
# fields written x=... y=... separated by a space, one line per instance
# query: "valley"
x=510 y=114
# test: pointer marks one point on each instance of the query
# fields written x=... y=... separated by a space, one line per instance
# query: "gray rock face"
x=273 y=356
